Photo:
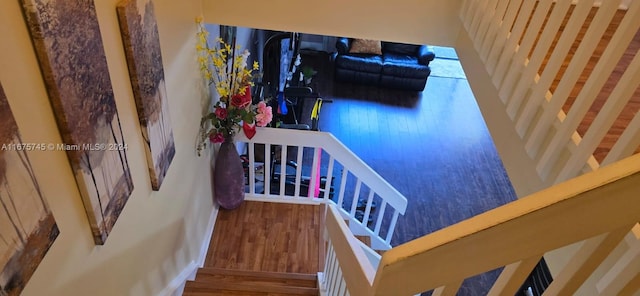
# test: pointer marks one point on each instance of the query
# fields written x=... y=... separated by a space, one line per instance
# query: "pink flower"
x=221 y=113
x=262 y=106
x=216 y=138
x=265 y=114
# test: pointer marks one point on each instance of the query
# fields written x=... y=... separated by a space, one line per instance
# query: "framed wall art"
x=27 y=226
x=67 y=41
x=142 y=48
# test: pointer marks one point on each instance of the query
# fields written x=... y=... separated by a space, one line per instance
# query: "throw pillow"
x=365 y=46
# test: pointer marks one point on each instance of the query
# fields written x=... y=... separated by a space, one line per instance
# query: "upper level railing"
x=319 y=168
x=567 y=74
x=601 y=204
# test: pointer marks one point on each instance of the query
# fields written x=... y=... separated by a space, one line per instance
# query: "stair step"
x=214 y=281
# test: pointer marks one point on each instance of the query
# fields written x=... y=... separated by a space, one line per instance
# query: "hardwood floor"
x=269 y=237
x=433 y=146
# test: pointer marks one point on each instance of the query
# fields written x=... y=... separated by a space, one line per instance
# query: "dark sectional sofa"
x=400 y=66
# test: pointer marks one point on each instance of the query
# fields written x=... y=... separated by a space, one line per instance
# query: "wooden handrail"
x=337 y=150
x=595 y=203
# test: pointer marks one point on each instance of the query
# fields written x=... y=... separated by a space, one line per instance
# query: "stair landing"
x=267 y=237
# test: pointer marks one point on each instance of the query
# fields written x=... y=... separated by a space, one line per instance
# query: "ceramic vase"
x=228 y=176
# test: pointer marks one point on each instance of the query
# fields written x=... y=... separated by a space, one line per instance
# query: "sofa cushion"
x=400 y=48
x=359 y=62
x=365 y=46
x=401 y=65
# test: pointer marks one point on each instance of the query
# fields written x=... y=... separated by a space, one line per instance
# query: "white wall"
x=159 y=233
x=433 y=22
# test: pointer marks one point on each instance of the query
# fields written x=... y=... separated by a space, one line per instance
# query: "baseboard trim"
x=176 y=286
x=188 y=273
x=204 y=247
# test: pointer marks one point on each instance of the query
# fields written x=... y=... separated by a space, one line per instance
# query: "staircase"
x=216 y=281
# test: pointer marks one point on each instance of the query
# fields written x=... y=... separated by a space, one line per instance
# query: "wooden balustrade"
x=566 y=74
x=347 y=271
x=345 y=179
x=601 y=204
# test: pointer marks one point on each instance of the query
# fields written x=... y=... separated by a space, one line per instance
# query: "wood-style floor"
x=433 y=147
x=269 y=237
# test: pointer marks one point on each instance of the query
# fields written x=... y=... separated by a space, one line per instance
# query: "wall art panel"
x=27 y=227
x=142 y=48
x=67 y=41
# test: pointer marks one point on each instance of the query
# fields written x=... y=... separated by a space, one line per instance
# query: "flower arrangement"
x=226 y=70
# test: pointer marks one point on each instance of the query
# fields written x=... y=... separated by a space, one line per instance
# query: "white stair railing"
x=601 y=204
x=512 y=40
x=326 y=171
x=347 y=270
x=515 y=38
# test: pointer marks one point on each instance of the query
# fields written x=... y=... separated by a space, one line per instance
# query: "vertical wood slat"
x=283 y=168
x=367 y=210
x=356 y=196
x=542 y=47
x=506 y=39
x=587 y=46
x=335 y=271
x=487 y=16
x=252 y=168
x=343 y=184
x=327 y=185
x=267 y=169
x=512 y=276
x=330 y=272
x=494 y=25
x=618 y=99
x=468 y=16
x=314 y=173
x=392 y=227
x=519 y=60
x=627 y=143
x=337 y=281
x=511 y=48
x=622 y=273
x=483 y=26
x=480 y=6
x=559 y=54
x=603 y=69
x=383 y=207
x=585 y=261
x=343 y=287
x=450 y=289
x=296 y=191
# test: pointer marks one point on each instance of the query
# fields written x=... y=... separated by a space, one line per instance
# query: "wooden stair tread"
x=207 y=271
x=234 y=293
x=217 y=281
x=231 y=288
